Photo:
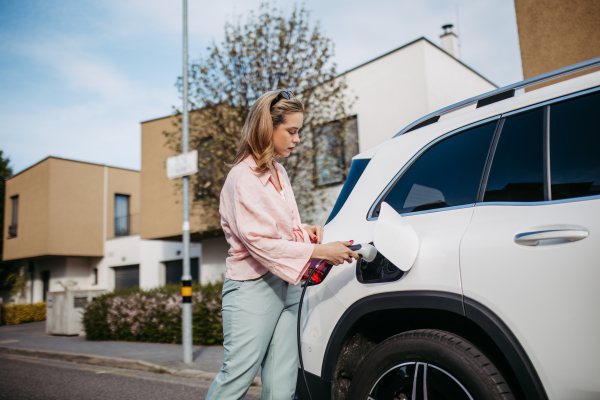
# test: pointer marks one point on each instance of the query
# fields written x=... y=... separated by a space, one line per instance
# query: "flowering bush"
x=155 y=315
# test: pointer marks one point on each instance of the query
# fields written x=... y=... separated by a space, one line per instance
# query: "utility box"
x=65 y=309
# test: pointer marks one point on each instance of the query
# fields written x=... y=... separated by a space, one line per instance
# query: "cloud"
x=97 y=108
x=80 y=70
x=78 y=77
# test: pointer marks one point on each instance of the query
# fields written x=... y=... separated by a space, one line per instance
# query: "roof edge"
x=72 y=160
x=156 y=119
x=413 y=42
x=381 y=56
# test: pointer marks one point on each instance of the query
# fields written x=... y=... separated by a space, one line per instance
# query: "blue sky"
x=77 y=77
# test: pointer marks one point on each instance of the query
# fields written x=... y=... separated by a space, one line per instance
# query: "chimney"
x=449 y=40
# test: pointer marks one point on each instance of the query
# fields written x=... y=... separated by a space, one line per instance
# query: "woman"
x=270 y=251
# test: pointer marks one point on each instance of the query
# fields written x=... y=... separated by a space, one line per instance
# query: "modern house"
x=76 y=225
x=392 y=90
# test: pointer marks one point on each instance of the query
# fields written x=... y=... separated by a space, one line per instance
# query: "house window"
x=12 y=229
x=335 y=145
x=121 y=215
x=95 y=276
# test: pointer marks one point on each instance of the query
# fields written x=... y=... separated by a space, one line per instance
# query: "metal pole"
x=186 y=279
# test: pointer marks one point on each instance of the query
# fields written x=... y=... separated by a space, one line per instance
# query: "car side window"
x=448 y=174
x=517 y=171
x=575 y=147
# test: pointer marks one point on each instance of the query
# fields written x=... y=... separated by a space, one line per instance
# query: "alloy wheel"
x=418 y=381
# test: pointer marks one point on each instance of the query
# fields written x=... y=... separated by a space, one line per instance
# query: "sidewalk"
x=28 y=337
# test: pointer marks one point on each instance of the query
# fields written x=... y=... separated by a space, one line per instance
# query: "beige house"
x=76 y=225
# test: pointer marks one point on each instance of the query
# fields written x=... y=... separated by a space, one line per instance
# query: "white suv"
x=503 y=298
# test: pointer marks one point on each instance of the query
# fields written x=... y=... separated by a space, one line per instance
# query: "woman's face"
x=285 y=136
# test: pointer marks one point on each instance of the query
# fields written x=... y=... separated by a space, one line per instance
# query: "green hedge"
x=155 y=315
x=16 y=313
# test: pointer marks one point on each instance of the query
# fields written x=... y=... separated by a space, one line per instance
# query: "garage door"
x=175 y=270
x=127 y=276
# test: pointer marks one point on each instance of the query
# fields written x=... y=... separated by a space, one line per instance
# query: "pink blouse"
x=262 y=227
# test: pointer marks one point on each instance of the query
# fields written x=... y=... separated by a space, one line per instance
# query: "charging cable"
x=300 y=323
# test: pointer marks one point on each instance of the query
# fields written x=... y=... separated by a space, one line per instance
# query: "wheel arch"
x=386 y=314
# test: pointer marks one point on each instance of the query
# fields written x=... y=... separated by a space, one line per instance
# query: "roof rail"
x=498 y=94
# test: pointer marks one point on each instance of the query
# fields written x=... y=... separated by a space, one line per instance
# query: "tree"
x=9 y=270
x=269 y=51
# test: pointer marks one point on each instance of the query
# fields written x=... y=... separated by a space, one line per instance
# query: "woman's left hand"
x=315 y=232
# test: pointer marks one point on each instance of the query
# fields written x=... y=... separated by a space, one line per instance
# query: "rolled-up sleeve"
x=258 y=230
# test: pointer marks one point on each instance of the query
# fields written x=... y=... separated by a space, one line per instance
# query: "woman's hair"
x=257 y=133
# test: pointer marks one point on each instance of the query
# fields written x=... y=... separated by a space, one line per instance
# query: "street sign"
x=182 y=165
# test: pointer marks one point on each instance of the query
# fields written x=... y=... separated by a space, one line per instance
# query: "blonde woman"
x=270 y=249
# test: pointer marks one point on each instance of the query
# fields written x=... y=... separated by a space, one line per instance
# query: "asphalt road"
x=26 y=378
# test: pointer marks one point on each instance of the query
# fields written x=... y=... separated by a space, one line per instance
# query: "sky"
x=78 y=77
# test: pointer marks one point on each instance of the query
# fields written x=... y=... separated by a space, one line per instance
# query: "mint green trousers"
x=259 y=329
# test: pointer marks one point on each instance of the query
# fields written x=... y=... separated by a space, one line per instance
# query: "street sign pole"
x=186 y=279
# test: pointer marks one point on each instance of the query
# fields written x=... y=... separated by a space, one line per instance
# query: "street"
x=29 y=378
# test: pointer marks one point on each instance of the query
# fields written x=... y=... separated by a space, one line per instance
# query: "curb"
x=123 y=363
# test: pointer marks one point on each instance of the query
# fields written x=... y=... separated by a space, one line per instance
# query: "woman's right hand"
x=334 y=253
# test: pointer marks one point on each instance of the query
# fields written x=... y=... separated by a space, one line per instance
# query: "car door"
x=531 y=253
x=435 y=192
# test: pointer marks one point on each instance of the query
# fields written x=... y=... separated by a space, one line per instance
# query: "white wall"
x=155 y=253
x=405 y=85
x=449 y=81
x=58 y=273
x=401 y=87
x=150 y=255
x=390 y=94
x=214 y=253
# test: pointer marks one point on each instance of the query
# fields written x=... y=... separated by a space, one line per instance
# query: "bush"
x=155 y=315
x=17 y=313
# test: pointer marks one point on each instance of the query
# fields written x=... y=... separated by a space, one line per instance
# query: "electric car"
x=498 y=296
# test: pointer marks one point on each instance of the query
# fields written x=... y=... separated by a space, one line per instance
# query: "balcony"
x=12 y=231
x=125 y=226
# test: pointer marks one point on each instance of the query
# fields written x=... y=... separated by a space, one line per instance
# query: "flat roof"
x=413 y=42
x=72 y=160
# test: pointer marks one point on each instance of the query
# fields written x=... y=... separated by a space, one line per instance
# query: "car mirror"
x=395 y=239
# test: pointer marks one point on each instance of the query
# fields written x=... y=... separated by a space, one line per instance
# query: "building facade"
x=75 y=225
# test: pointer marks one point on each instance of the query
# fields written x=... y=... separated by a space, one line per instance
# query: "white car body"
x=546 y=296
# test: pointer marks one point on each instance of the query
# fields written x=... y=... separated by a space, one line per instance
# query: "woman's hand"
x=334 y=253
x=315 y=233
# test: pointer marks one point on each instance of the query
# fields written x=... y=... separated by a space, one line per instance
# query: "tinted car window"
x=448 y=174
x=575 y=147
x=356 y=169
x=517 y=172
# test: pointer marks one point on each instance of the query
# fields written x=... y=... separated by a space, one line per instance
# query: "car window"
x=517 y=171
x=448 y=174
x=575 y=147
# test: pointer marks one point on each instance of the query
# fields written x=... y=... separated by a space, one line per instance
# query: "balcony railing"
x=126 y=226
x=12 y=231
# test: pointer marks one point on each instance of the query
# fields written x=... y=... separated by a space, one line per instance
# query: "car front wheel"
x=427 y=364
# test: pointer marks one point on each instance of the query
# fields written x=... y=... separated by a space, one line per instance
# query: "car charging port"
x=378 y=270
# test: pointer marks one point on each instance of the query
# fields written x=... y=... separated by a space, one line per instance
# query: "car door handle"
x=533 y=238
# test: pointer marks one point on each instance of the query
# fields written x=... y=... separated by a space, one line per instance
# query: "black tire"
x=433 y=355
